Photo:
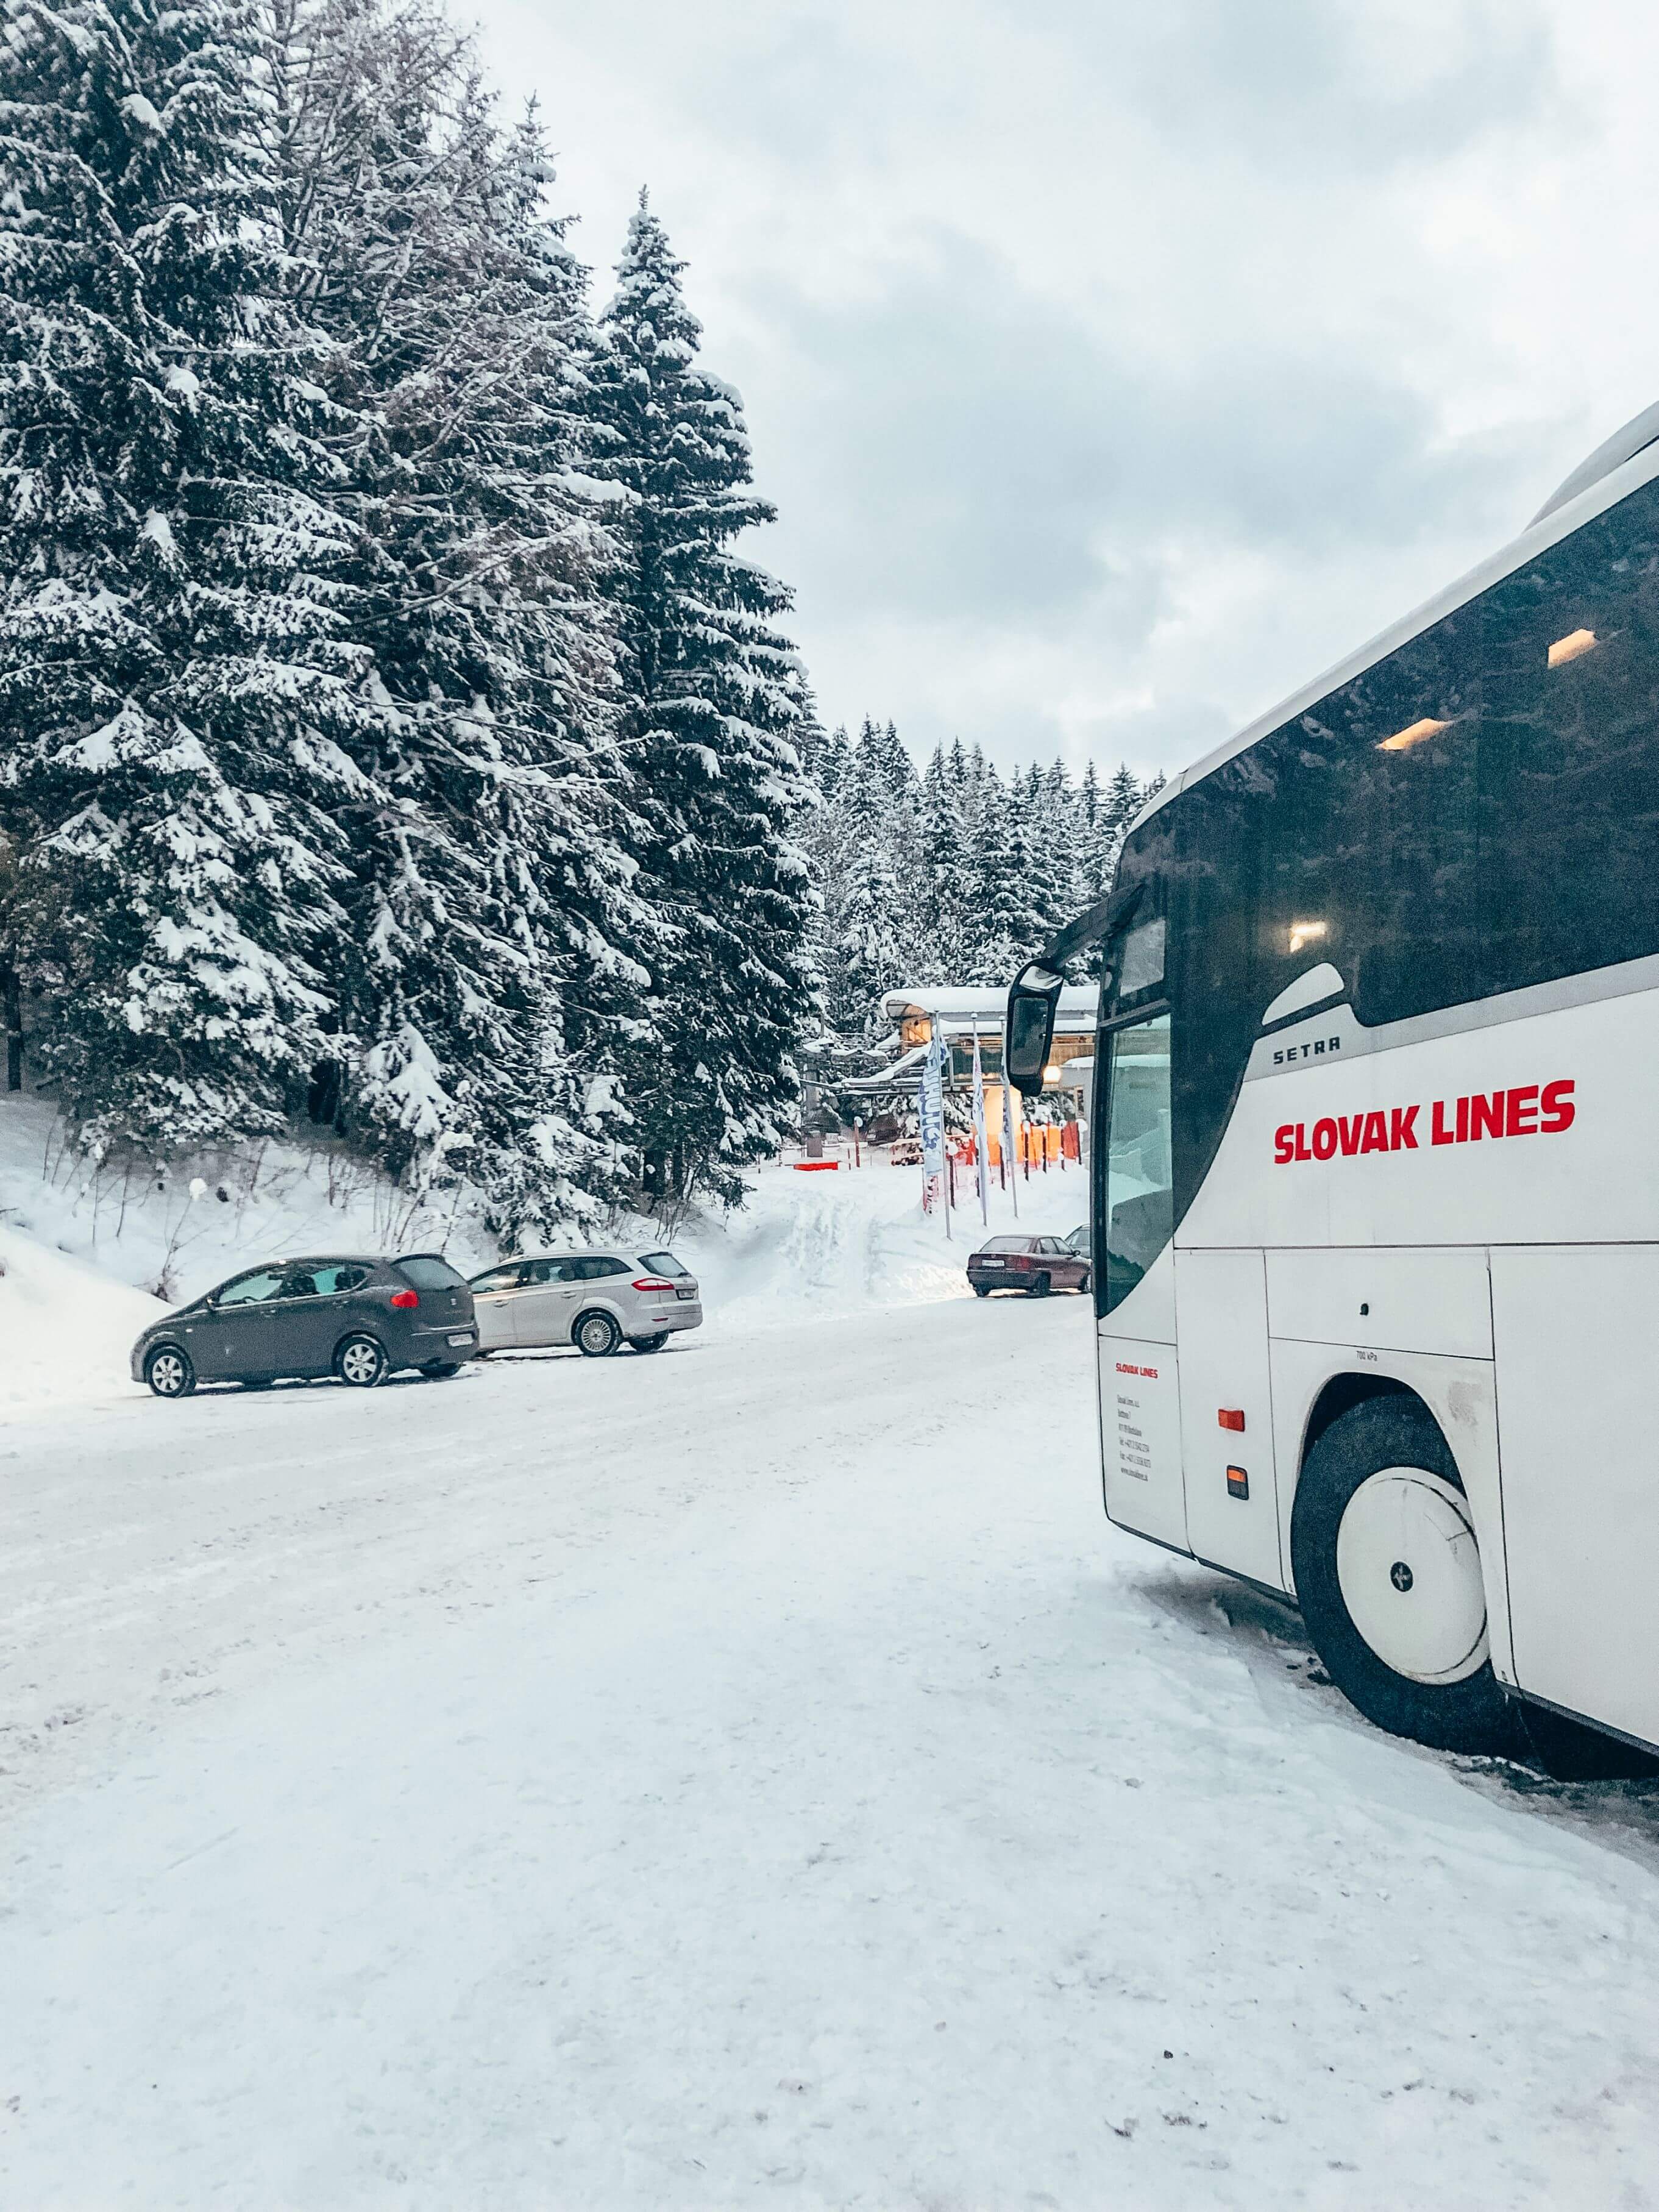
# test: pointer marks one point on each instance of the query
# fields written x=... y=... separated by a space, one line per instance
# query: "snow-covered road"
x=752 y=1775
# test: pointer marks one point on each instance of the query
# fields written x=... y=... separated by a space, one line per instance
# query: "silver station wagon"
x=595 y=1300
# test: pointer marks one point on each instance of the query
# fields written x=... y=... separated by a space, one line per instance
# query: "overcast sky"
x=1114 y=367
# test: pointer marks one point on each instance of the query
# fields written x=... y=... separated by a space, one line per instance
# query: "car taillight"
x=405 y=1299
x=653 y=1283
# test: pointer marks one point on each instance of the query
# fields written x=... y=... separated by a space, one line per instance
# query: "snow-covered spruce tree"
x=717 y=701
x=943 y=877
x=488 y=981
x=1007 y=924
x=179 y=711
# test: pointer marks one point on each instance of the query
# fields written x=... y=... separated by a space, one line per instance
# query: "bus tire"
x=1387 y=1574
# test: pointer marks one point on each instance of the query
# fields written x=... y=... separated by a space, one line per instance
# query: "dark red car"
x=1035 y=1265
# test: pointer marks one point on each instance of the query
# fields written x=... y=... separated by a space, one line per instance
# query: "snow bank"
x=65 y=1328
x=179 y=1230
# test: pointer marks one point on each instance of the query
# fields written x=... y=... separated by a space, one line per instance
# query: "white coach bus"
x=1377 y=1160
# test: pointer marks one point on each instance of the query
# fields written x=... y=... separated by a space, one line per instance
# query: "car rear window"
x=591 y=1271
x=662 y=1263
x=429 y=1272
x=1008 y=1244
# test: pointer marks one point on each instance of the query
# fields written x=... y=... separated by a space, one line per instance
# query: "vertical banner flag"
x=1010 y=1128
x=980 y=1147
x=930 y=1115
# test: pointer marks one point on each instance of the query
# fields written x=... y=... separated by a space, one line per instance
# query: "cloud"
x=1112 y=366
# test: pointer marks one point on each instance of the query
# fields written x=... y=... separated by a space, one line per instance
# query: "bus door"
x=1578 y=1433
x=1140 y=1397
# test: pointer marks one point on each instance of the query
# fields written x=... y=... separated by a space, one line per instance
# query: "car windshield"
x=1009 y=1245
x=663 y=1263
x=427 y=1272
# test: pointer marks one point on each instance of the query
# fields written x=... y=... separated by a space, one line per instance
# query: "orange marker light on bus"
x=1403 y=740
x=1238 y=1483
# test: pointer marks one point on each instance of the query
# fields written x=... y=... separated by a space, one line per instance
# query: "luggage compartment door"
x=1574 y=1329
x=1232 y=1505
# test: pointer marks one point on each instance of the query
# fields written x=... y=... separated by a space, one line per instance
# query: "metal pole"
x=1010 y=1125
x=981 y=1143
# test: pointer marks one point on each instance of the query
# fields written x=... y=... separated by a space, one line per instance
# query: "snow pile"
x=66 y=1328
x=178 y=1230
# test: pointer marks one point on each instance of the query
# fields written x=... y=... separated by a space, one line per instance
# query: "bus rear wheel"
x=1387 y=1574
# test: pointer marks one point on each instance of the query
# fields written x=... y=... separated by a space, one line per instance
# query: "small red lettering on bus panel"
x=1439 y=1134
x=1284 y=1144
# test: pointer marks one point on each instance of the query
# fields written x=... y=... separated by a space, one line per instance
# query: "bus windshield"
x=1140 y=1201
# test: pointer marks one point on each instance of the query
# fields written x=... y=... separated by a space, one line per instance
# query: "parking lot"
x=755 y=1773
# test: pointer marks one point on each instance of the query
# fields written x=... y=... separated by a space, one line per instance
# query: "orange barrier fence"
x=1036 y=1145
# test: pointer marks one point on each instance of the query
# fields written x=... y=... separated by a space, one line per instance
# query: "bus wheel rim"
x=1409 y=1569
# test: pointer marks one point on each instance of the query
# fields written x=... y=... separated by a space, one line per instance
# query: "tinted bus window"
x=1570 y=754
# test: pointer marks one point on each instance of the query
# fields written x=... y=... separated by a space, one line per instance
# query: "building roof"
x=957 y=1006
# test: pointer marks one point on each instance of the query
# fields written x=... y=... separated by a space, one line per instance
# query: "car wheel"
x=168 y=1372
x=1040 y=1288
x=440 y=1370
x=650 y=1343
x=981 y=1289
x=361 y=1363
x=597 y=1335
x=1085 y=1286
x=1387 y=1574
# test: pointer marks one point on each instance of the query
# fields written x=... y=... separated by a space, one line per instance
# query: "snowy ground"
x=751 y=1776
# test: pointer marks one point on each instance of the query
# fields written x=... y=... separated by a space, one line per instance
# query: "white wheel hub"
x=1409 y=1569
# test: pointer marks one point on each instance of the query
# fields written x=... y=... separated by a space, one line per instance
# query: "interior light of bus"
x=1230 y=1417
x=1238 y=1483
x=1305 y=932
x=1414 y=734
x=1570 y=647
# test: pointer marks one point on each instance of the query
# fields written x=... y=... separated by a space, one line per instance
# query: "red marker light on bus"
x=1230 y=1417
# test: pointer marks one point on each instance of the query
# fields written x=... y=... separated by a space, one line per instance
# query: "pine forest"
x=397 y=740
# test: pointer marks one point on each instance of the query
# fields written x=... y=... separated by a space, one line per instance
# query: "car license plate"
x=990 y=1263
x=467 y=1339
x=685 y=1294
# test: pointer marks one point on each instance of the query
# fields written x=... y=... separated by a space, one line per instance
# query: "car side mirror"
x=1030 y=1030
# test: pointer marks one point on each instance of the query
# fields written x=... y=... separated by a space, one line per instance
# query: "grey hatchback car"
x=356 y=1317
x=595 y=1300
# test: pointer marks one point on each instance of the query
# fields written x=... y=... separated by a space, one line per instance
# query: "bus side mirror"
x=1030 y=1030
